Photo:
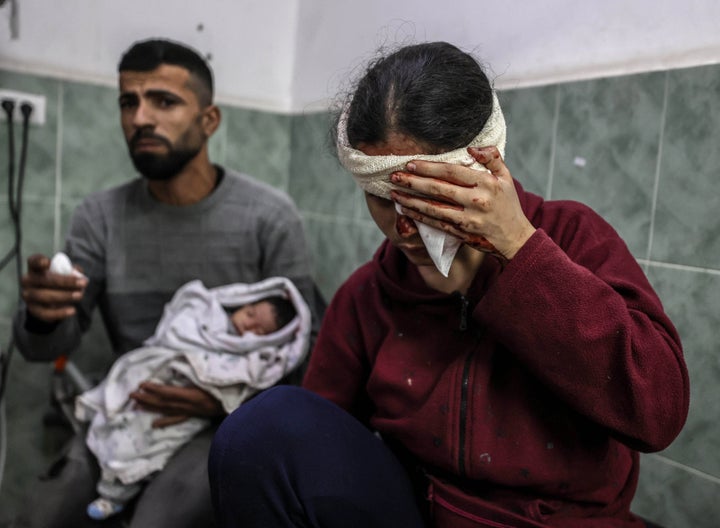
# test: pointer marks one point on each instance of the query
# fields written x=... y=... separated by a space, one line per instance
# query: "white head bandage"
x=372 y=174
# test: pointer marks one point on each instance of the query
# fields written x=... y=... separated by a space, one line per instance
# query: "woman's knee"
x=268 y=423
x=280 y=411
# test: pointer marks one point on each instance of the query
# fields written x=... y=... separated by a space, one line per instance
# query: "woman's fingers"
x=451 y=220
x=492 y=160
x=461 y=175
x=480 y=207
x=456 y=184
x=430 y=212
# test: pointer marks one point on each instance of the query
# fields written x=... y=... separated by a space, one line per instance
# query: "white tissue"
x=62 y=265
x=441 y=246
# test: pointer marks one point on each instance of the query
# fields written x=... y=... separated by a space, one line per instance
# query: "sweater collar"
x=401 y=280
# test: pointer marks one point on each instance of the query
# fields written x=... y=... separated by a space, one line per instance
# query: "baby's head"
x=262 y=317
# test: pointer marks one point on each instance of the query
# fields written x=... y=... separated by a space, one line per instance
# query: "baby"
x=261 y=317
x=231 y=341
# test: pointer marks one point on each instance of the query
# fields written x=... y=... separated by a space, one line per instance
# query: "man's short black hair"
x=146 y=55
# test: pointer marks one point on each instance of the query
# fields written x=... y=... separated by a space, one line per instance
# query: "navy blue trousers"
x=288 y=458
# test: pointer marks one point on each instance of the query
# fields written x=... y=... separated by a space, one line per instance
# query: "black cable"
x=7 y=258
x=26 y=110
x=9 y=106
x=15 y=205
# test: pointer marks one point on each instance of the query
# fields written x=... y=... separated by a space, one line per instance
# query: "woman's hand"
x=480 y=208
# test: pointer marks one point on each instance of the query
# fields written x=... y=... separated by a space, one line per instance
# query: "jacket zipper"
x=463 y=312
x=464 y=385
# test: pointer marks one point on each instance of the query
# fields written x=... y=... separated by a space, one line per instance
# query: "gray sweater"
x=137 y=252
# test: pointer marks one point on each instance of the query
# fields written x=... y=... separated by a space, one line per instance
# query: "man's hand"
x=177 y=404
x=49 y=296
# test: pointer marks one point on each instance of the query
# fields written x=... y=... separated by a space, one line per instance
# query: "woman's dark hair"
x=434 y=93
x=283 y=310
x=148 y=54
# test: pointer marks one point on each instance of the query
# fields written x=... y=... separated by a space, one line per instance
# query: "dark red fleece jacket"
x=530 y=395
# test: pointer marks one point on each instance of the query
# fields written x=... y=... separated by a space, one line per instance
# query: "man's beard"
x=162 y=166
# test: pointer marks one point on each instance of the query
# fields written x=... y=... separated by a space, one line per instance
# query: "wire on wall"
x=13 y=18
x=15 y=191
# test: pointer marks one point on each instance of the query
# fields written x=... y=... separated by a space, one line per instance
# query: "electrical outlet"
x=37 y=117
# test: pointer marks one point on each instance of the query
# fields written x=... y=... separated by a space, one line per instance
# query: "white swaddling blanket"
x=191 y=346
x=372 y=174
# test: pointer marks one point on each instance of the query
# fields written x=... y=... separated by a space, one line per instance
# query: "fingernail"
x=410 y=167
x=395 y=177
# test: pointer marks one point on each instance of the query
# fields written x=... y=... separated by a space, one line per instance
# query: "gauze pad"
x=372 y=174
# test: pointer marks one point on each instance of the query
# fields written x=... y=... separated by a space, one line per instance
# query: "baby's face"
x=258 y=318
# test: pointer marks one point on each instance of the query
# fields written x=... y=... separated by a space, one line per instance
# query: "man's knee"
x=179 y=494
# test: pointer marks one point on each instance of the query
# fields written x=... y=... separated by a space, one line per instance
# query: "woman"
x=508 y=351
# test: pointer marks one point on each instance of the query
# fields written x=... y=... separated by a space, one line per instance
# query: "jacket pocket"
x=451 y=507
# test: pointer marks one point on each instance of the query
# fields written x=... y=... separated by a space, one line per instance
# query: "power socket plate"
x=37 y=117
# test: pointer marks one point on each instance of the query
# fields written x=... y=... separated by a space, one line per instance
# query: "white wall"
x=292 y=55
x=251 y=41
x=524 y=42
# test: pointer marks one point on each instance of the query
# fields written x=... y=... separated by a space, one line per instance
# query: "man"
x=136 y=244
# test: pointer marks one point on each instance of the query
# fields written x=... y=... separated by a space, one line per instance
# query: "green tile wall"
x=640 y=149
x=607 y=150
x=688 y=231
